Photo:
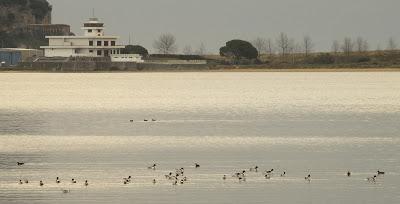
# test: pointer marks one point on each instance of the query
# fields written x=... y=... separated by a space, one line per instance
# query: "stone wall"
x=42 y=30
x=93 y=66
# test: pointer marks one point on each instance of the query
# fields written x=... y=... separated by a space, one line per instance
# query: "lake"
x=92 y=127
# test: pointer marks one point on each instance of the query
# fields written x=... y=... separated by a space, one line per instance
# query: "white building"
x=93 y=44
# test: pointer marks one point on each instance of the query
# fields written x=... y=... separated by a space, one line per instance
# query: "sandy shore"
x=237 y=70
x=310 y=70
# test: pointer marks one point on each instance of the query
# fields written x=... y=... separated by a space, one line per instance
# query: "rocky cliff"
x=16 y=15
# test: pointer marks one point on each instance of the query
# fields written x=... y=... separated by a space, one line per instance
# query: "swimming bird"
x=86 y=183
x=197 y=165
x=20 y=182
x=270 y=171
x=26 y=181
x=58 y=180
x=308 y=178
x=154 y=120
x=20 y=163
x=256 y=168
x=131 y=121
x=41 y=183
x=145 y=120
x=381 y=172
x=66 y=191
x=372 y=179
x=224 y=177
x=284 y=174
x=152 y=167
x=129 y=179
x=73 y=181
x=154 y=181
x=267 y=176
x=348 y=174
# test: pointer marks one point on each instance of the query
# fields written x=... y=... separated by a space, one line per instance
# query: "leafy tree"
x=135 y=49
x=239 y=49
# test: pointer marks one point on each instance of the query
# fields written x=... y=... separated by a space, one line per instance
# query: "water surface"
x=78 y=126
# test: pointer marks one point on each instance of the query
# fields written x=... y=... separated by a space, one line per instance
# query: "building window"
x=90 y=51
x=112 y=43
x=91 y=43
x=90 y=30
x=98 y=52
x=98 y=43
x=106 y=53
x=105 y=43
x=99 y=31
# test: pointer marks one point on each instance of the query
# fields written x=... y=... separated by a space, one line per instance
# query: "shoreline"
x=225 y=70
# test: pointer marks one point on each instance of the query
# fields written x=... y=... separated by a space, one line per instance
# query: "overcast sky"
x=214 y=22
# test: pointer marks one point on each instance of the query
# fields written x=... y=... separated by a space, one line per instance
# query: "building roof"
x=82 y=37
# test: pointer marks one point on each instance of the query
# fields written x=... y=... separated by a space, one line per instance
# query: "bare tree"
x=347 y=46
x=335 y=47
x=361 y=45
x=187 y=50
x=283 y=44
x=294 y=49
x=392 y=45
x=166 y=44
x=260 y=44
x=270 y=47
x=201 y=50
x=308 y=45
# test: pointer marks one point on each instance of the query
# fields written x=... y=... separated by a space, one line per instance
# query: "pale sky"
x=213 y=22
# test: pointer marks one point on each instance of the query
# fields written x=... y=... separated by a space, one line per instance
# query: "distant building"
x=13 y=56
x=93 y=44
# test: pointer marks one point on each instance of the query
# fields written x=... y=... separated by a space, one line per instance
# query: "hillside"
x=15 y=15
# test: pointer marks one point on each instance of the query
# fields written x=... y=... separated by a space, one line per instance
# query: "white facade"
x=93 y=44
x=126 y=58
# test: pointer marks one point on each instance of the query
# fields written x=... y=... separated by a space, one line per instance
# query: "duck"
x=41 y=183
x=26 y=181
x=154 y=120
x=267 y=176
x=129 y=179
x=20 y=182
x=131 y=121
x=256 y=168
x=58 y=180
x=270 y=171
x=154 y=181
x=20 y=163
x=224 y=177
x=197 y=165
x=381 y=172
x=152 y=167
x=348 y=174
x=145 y=120
x=308 y=178
x=73 y=181
x=283 y=174
x=86 y=183
x=66 y=191
x=372 y=179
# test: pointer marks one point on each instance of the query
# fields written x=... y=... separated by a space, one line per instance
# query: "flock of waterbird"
x=178 y=176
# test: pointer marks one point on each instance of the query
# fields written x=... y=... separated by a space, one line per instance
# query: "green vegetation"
x=135 y=49
x=239 y=49
x=40 y=8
